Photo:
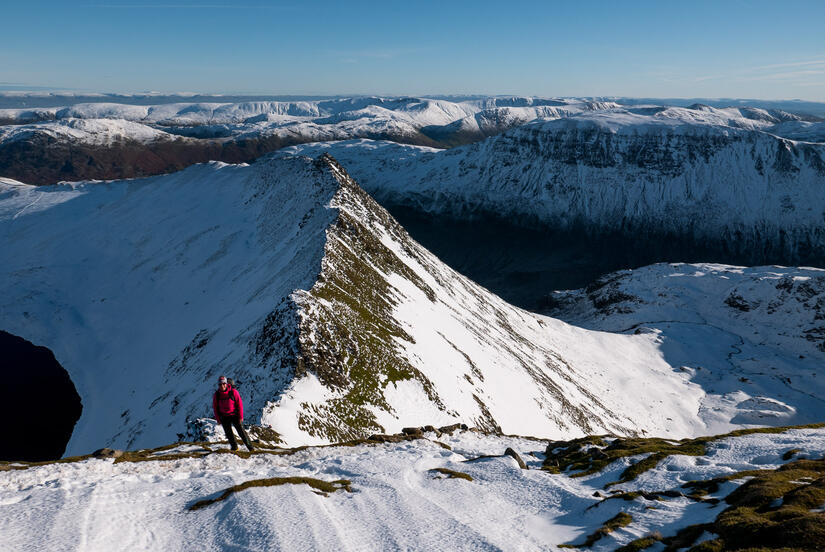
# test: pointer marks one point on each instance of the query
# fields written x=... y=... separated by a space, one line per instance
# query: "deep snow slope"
x=290 y=278
x=394 y=501
x=642 y=172
x=146 y=290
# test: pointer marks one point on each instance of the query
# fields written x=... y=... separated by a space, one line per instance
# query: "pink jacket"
x=227 y=404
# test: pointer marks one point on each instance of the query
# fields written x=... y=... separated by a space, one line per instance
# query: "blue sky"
x=744 y=48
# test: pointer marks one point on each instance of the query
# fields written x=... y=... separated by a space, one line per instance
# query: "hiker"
x=226 y=402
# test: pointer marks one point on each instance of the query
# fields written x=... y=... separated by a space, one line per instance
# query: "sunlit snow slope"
x=290 y=278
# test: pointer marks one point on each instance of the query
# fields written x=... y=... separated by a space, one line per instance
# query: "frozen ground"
x=395 y=502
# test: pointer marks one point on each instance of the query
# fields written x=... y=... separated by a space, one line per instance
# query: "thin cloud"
x=756 y=73
x=794 y=64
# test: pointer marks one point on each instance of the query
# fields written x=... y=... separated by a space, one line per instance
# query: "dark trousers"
x=227 y=422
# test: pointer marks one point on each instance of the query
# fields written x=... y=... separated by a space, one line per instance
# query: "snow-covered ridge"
x=289 y=277
x=96 y=132
x=423 y=110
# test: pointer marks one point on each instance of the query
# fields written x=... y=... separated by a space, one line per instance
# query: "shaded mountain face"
x=610 y=190
x=288 y=277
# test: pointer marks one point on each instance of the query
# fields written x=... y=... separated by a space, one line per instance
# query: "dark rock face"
x=40 y=402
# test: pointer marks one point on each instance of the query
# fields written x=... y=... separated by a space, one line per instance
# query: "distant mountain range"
x=107 y=140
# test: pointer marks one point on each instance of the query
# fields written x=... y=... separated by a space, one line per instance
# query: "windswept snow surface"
x=396 y=503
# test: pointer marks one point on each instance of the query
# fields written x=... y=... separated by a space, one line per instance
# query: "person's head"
x=222 y=384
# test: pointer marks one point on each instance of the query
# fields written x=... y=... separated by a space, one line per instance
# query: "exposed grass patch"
x=771 y=511
x=632 y=495
x=622 y=519
x=754 y=520
x=589 y=455
x=322 y=487
x=6 y=465
x=641 y=544
x=452 y=474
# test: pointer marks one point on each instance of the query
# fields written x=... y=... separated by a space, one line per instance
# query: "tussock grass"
x=641 y=544
x=772 y=511
x=589 y=455
x=622 y=519
x=322 y=487
x=452 y=474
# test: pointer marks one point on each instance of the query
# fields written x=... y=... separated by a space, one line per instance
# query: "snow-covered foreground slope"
x=290 y=278
x=385 y=496
x=622 y=170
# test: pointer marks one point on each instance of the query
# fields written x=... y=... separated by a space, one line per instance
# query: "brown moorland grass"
x=322 y=487
x=588 y=455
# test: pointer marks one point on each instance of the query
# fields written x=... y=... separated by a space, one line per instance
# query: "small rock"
x=597 y=454
x=449 y=428
x=412 y=431
x=516 y=457
x=597 y=494
x=107 y=453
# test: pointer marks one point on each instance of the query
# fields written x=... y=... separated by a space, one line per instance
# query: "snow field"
x=396 y=503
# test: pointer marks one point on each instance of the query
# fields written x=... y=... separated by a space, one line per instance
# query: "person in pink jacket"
x=228 y=407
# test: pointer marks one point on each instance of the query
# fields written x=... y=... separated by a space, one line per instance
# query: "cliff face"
x=759 y=195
